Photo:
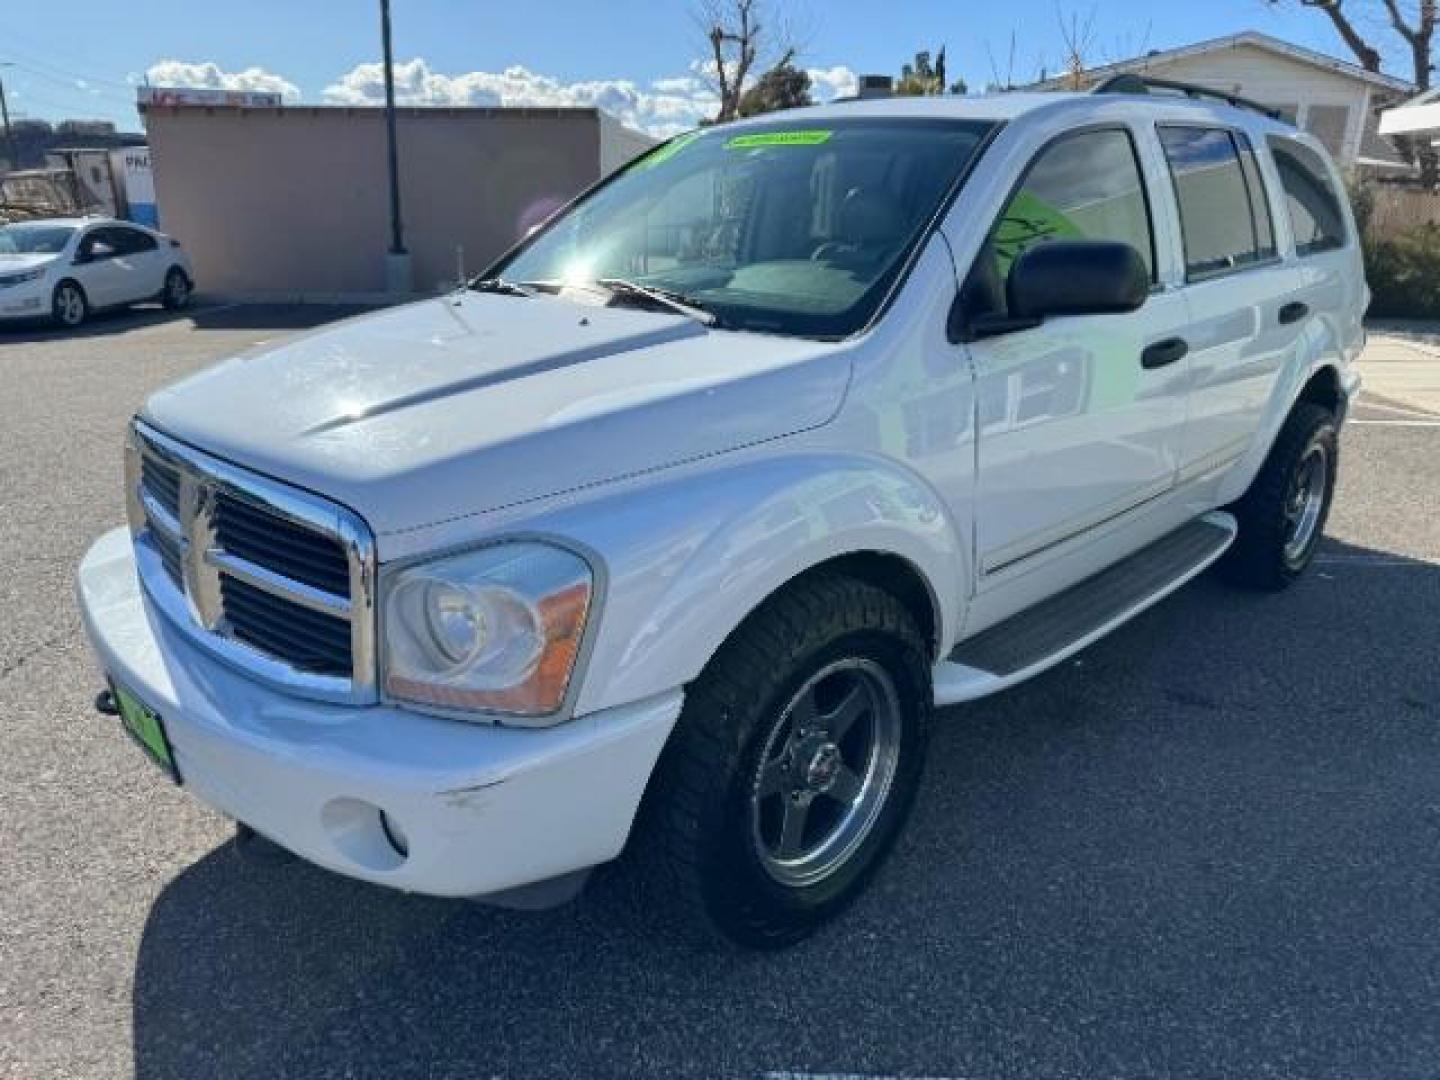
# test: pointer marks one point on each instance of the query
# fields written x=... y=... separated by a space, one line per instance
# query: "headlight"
x=7 y=280
x=497 y=629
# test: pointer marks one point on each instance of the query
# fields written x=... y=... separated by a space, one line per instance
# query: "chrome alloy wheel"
x=1306 y=502
x=177 y=289
x=70 y=305
x=825 y=772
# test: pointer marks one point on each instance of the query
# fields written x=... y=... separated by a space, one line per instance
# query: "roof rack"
x=1130 y=83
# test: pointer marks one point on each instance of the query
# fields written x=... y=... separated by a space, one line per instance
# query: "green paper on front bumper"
x=146 y=727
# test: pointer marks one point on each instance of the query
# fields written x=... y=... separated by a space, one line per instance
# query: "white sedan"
x=67 y=268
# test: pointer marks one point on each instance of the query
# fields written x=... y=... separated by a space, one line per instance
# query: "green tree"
x=784 y=86
x=923 y=77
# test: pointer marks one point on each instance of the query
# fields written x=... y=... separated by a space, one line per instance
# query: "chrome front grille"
x=272 y=579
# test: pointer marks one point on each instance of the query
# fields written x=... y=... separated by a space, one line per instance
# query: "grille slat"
x=285 y=557
x=278 y=545
x=163 y=483
x=170 y=556
x=310 y=641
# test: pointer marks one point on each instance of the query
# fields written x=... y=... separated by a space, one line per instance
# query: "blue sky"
x=635 y=57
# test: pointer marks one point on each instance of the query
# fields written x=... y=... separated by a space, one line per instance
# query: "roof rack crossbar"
x=1131 y=83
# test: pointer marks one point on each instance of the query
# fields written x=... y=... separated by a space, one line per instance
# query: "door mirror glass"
x=1076 y=277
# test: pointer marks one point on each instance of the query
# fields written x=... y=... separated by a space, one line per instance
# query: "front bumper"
x=23 y=302
x=479 y=809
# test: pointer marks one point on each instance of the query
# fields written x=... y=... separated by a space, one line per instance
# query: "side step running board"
x=1044 y=635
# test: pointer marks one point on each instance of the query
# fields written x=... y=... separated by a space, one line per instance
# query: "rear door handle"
x=1294 y=312
x=1163 y=352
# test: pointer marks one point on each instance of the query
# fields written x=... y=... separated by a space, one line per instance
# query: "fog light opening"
x=395 y=834
x=361 y=833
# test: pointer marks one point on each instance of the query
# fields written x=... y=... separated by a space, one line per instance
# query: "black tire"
x=1265 y=554
x=701 y=831
x=69 y=306
x=176 y=293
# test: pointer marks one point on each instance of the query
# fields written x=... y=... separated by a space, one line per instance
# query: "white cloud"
x=663 y=107
x=827 y=84
x=184 y=73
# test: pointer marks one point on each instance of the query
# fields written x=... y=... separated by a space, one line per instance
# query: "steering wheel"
x=829 y=248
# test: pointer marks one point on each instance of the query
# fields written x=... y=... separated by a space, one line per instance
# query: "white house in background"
x=1335 y=100
x=1418 y=116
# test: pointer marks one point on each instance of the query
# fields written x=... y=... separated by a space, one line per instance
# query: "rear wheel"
x=176 y=293
x=1282 y=516
x=68 y=306
x=793 y=765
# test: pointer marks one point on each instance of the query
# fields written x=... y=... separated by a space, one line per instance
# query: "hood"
x=456 y=406
x=12 y=263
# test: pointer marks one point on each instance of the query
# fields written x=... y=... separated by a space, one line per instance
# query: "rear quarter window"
x=1311 y=201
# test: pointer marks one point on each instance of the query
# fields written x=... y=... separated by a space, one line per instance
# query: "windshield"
x=797 y=228
x=36 y=239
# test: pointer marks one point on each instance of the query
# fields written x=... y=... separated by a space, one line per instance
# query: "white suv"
x=688 y=515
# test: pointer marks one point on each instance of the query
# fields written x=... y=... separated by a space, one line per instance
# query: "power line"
x=22 y=98
x=34 y=59
x=72 y=85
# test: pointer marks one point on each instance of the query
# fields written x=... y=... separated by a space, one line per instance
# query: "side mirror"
x=1076 y=277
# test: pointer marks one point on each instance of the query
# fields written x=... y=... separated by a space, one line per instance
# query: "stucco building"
x=292 y=202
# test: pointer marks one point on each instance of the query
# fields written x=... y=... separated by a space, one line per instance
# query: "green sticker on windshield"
x=664 y=153
x=778 y=138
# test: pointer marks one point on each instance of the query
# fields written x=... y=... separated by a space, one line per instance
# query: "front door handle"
x=1294 y=312
x=1163 y=352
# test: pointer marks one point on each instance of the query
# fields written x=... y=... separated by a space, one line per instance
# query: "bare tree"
x=742 y=40
x=1079 y=39
x=1414 y=21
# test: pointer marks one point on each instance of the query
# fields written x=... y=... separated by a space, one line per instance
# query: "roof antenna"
x=460 y=280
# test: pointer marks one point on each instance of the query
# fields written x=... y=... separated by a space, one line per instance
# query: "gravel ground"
x=1208 y=846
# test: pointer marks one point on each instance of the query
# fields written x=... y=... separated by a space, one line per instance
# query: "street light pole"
x=5 y=117
x=397 y=263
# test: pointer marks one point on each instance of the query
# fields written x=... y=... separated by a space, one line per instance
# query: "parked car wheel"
x=793 y=764
x=68 y=306
x=1282 y=515
x=176 y=294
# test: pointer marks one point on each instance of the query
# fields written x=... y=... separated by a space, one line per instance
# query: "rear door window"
x=1224 y=216
x=1310 y=197
x=133 y=241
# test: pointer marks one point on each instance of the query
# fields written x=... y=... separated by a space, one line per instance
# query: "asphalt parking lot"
x=1208 y=846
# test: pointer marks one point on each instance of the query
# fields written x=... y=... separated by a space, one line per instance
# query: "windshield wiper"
x=499 y=285
x=667 y=298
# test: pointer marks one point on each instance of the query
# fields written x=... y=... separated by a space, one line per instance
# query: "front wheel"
x=1282 y=515
x=68 y=306
x=794 y=763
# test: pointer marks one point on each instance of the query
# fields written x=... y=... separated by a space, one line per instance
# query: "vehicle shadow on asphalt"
x=99 y=324
x=1209 y=844
x=202 y=315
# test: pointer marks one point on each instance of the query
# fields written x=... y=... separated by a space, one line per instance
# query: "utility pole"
x=5 y=117
x=397 y=261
